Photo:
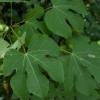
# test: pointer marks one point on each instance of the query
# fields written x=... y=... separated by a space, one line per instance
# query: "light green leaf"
x=3 y=28
x=3 y=47
x=19 y=42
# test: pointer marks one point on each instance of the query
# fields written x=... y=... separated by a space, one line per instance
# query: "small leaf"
x=35 y=12
x=30 y=27
x=19 y=42
x=3 y=47
x=55 y=21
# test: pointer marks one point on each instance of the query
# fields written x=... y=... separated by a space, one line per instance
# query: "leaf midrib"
x=34 y=74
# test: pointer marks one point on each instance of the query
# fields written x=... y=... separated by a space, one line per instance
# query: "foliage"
x=49 y=49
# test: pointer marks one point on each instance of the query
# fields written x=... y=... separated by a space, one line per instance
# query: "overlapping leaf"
x=35 y=12
x=81 y=65
x=61 y=16
x=42 y=53
x=19 y=42
x=3 y=29
x=31 y=26
x=83 y=97
x=3 y=47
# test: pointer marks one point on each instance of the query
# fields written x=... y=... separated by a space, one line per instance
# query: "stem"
x=17 y=38
x=11 y=14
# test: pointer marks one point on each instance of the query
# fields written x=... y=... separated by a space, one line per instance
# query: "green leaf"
x=48 y=48
x=3 y=28
x=10 y=0
x=14 y=61
x=76 y=5
x=56 y=22
x=35 y=12
x=80 y=65
x=1 y=70
x=33 y=97
x=36 y=82
x=30 y=63
x=90 y=54
x=60 y=19
x=27 y=28
x=30 y=27
x=3 y=47
x=18 y=85
x=45 y=44
x=83 y=97
x=19 y=42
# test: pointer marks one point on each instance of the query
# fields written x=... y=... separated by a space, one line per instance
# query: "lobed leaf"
x=80 y=65
x=34 y=81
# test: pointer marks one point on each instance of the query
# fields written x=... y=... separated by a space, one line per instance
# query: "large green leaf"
x=90 y=54
x=60 y=19
x=80 y=65
x=38 y=55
